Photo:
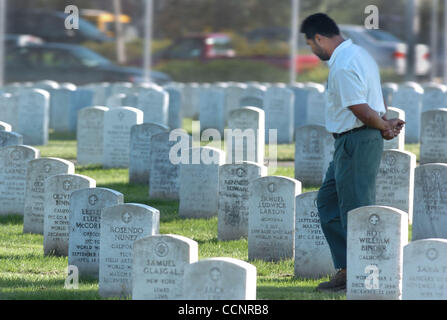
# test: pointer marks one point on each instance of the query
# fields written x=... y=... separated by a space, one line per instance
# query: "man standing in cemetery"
x=355 y=116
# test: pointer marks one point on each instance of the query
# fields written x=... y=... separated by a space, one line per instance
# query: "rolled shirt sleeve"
x=351 y=89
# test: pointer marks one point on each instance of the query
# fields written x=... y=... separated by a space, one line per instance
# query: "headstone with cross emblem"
x=140 y=151
x=395 y=181
x=312 y=254
x=164 y=178
x=13 y=174
x=33 y=116
x=434 y=136
x=399 y=141
x=278 y=107
x=425 y=269
x=376 y=237
x=86 y=206
x=219 y=279
x=409 y=99
x=430 y=201
x=39 y=170
x=117 y=127
x=245 y=137
x=314 y=148
x=154 y=102
x=271 y=218
x=10 y=139
x=199 y=183
x=90 y=135
x=234 y=193
x=121 y=226
x=58 y=190
x=158 y=266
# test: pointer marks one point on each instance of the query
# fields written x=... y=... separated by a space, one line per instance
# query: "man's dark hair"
x=319 y=23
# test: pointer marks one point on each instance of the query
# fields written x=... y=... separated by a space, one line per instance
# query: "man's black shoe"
x=336 y=284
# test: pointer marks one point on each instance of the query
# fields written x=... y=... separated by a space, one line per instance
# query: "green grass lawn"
x=26 y=274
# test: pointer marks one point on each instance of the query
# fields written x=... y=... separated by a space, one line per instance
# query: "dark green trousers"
x=349 y=183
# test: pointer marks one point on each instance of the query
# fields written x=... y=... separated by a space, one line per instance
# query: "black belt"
x=338 y=135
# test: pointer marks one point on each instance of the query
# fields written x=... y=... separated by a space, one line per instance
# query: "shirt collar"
x=337 y=50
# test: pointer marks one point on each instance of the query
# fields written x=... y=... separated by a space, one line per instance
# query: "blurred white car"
x=388 y=50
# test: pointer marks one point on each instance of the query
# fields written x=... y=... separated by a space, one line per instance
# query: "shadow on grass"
x=301 y=292
x=44 y=290
x=62 y=135
x=14 y=219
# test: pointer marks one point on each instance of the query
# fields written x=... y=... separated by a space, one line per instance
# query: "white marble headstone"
x=395 y=181
x=154 y=102
x=313 y=257
x=219 y=279
x=121 y=226
x=434 y=136
x=435 y=96
x=38 y=170
x=430 y=201
x=33 y=116
x=56 y=230
x=211 y=106
x=158 y=266
x=253 y=96
x=164 y=178
x=234 y=192
x=13 y=174
x=117 y=127
x=90 y=135
x=279 y=113
x=425 y=268
x=245 y=136
x=313 y=152
x=199 y=183
x=376 y=237
x=86 y=206
x=140 y=150
x=9 y=138
x=271 y=218
x=409 y=99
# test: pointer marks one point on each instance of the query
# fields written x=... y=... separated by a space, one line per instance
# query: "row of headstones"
x=59 y=107
x=97 y=231
x=414 y=99
x=381 y=264
x=273 y=203
x=118 y=137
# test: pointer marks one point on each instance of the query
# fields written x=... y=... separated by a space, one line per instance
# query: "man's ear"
x=317 y=39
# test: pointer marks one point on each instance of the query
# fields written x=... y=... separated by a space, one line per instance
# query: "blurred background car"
x=198 y=46
x=63 y=62
x=386 y=49
x=49 y=25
